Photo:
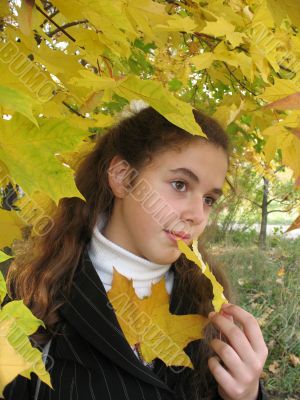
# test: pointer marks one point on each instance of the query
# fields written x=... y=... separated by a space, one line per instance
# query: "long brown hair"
x=48 y=264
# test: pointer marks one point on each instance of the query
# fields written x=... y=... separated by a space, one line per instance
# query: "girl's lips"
x=174 y=238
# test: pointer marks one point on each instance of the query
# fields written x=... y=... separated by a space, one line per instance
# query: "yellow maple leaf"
x=218 y=28
x=13 y=227
x=17 y=356
x=290 y=102
x=149 y=323
x=152 y=92
x=263 y=15
x=278 y=137
x=202 y=61
x=281 y=9
x=175 y=23
x=281 y=271
x=235 y=59
x=11 y=363
x=35 y=211
x=195 y=256
x=280 y=89
x=294 y=225
x=225 y=114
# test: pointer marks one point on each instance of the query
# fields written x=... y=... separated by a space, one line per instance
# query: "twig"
x=287 y=210
x=251 y=201
x=239 y=82
x=72 y=109
x=108 y=64
x=204 y=35
x=281 y=201
x=51 y=16
x=54 y=23
x=99 y=69
x=210 y=81
x=74 y=23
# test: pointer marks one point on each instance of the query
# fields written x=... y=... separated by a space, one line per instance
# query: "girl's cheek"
x=170 y=201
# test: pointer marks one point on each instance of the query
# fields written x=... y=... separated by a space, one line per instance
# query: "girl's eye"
x=209 y=201
x=180 y=185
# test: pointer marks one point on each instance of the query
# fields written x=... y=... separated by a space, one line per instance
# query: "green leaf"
x=29 y=154
x=175 y=85
x=22 y=316
x=3 y=290
x=4 y=257
x=138 y=63
x=17 y=355
x=145 y=47
x=17 y=101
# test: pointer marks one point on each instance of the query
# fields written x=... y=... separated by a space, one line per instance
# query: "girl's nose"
x=195 y=212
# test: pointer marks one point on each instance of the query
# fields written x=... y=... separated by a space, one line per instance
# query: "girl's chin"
x=168 y=258
x=171 y=257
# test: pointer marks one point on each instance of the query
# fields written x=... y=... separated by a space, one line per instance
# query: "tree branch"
x=68 y=25
x=281 y=201
x=211 y=46
x=282 y=211
x=251 y=201
x=238 y=81
x=205 y=36
x=54 y=23
x=51 y=16
x=73 y=110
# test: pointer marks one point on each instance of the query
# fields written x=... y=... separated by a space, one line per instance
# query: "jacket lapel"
x=90 y=313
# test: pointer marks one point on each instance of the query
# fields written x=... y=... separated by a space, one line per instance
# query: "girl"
x=66 y=275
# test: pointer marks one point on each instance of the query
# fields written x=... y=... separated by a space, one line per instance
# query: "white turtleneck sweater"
x=106 y=254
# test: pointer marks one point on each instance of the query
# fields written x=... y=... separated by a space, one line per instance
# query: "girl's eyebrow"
x=190 y=174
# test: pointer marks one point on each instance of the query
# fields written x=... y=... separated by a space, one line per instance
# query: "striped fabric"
x=90 y=359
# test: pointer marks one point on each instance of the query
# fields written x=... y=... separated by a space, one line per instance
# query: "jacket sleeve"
x=19 y=389
x=262 y=395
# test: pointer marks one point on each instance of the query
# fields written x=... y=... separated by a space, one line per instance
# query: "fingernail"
x=211 y=314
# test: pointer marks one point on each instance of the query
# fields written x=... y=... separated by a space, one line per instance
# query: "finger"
x=228 y=316
x=229 y=357
x=236 y=338
x=222 y=376
x=250 y=326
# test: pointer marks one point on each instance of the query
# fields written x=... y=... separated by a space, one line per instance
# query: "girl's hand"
x=243 y=357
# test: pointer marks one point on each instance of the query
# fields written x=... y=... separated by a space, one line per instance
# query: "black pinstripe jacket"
x=90 y=359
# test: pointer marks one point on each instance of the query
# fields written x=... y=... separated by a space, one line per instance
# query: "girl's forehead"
x=204 y=166
x=195 y=153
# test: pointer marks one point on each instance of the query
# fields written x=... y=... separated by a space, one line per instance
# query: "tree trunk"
x=264 y=216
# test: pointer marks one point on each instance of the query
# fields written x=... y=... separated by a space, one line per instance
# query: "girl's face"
x=175 y=192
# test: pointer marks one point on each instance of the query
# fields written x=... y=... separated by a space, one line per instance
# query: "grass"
x=267 y=285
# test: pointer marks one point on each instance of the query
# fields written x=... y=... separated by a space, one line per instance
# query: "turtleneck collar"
x=105 y=254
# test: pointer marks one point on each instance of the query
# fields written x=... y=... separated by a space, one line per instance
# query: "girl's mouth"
x=175 y=236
